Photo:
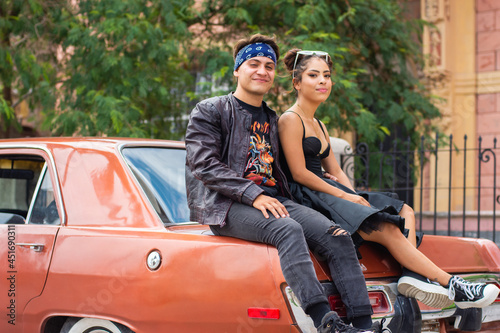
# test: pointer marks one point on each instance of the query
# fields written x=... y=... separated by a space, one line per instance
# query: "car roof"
x=95 y=141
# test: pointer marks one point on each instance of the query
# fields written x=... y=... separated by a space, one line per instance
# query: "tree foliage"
x=376 y=59
x=28 y=66
x=125 y=71
x=377 y=64
x=135 y=68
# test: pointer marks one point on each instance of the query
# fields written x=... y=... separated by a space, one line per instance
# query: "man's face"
x=256 y=75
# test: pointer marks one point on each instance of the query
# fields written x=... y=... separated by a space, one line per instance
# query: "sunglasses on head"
x=308 y=53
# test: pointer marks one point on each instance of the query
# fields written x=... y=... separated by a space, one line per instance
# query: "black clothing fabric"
x=215 y=160
x=312 y=147
x=349 y=215
x=259 y=167
x=217 y=142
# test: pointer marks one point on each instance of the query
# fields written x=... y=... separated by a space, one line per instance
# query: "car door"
x=29 y=243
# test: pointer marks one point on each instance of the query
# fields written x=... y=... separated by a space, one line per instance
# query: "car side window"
x=160 y=172
x=44 y=210
x=19 y=176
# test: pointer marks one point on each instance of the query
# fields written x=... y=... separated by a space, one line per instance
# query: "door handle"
x=33 y=246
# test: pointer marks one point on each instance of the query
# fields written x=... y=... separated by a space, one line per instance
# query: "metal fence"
x=451 y=186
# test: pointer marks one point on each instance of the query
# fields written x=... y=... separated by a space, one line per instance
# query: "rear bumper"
x=406 y=315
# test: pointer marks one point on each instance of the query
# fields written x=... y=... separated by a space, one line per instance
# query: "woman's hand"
x=356 y=199
x=330 y=176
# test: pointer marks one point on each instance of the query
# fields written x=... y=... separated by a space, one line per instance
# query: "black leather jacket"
x=217 y=142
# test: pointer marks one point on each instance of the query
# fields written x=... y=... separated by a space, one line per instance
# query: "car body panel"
x=220 y=275
x=94 y=262
x=31 y=266
x=103 y=178
x=462 y=255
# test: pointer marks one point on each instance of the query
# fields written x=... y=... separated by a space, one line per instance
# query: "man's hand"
x=266 y=203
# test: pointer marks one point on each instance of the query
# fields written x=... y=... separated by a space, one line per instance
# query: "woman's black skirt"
x=349 y=215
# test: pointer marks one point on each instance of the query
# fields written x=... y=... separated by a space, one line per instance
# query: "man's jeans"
x=292 y=236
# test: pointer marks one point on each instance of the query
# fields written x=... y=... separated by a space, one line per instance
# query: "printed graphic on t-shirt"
x=259 y=167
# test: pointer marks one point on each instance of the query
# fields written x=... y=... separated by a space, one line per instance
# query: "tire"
x=92 y=325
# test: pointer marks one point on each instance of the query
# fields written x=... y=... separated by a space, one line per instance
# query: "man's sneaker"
x=424 y=290
x=331 y=323
x=471 y=295
x=378 y=327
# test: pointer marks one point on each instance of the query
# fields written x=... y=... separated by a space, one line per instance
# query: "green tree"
x=124 y=70
x=28 y=65
x=376 y=57
x=129 y=67
x=378 y=92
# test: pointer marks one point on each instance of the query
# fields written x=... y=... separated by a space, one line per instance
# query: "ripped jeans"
x=293 y=236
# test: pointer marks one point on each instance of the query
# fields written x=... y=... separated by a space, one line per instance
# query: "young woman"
x=371 y=216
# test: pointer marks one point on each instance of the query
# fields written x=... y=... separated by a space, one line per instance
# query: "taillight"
x=337 y=305
x=264 y=313
x=378 y=301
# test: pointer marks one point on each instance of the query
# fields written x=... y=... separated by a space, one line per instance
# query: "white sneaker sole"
x=490 y=294
x=431 y=295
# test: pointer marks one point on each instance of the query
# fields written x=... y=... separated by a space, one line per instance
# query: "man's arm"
x=204 y=158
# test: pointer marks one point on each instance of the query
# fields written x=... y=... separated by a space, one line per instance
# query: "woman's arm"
x=332 y=167
x=290 y=133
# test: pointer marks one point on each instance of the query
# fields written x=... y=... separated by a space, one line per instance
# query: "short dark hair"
x=257 y=38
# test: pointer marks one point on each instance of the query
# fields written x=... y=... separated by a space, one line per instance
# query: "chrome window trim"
x=124 y=145
x=35 y=193
x=61 y=210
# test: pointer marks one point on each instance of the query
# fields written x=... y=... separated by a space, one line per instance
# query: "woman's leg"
x=406 y=253
x=409 y=215
x=465 y=294
x=420 y=285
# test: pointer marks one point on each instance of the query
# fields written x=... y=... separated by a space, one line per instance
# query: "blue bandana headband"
x=252 y=51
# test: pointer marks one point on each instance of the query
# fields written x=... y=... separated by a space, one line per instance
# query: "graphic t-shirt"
x=260 y=159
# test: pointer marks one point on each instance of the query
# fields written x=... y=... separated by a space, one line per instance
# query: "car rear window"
x=160 y=171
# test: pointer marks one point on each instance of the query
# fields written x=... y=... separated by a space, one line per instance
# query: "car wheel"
x=92 y=325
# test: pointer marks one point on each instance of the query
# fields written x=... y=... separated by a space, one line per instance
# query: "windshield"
x=160 y=171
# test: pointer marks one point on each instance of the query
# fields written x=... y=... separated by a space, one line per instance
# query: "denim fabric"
x=293 y=237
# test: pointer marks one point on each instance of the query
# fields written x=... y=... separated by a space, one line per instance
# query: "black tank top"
x=312 y=149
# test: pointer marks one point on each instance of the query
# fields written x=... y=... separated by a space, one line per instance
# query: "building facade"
x=462 y=50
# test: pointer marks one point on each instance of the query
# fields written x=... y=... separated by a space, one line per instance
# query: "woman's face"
x=316 y=82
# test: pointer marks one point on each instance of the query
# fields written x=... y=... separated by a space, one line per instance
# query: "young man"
x=235 y=185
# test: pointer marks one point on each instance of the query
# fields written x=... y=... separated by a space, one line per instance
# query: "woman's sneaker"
x=424 y=290
x=331 y=323
x=471 y=295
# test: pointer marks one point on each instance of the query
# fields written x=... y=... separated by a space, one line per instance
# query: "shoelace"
x=470 y=289
x=382 y=328
x=340 y=326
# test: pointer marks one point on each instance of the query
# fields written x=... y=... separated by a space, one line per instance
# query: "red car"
x=95 y=237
